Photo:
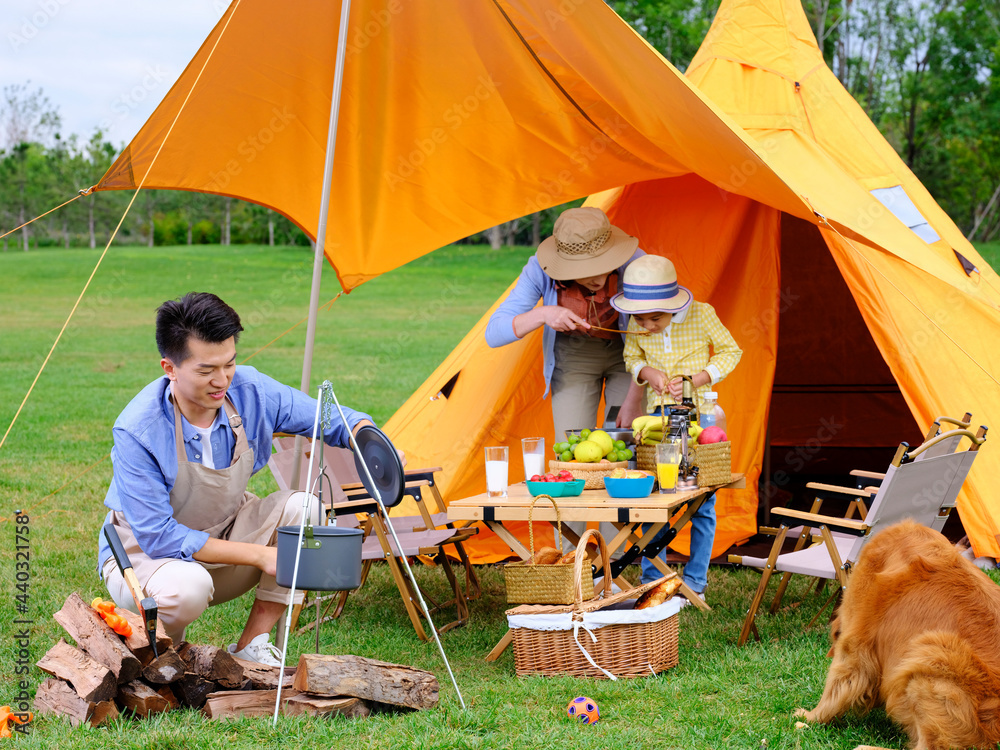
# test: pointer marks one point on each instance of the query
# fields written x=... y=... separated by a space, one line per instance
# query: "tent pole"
x=331 y=146
x=324 y=210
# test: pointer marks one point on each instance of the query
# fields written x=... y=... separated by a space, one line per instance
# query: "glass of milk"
x=496 y=471
x=533 y=451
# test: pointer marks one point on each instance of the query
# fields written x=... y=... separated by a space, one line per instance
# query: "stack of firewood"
x=105 y=674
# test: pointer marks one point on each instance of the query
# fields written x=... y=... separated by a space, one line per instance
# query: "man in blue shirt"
x=184 y=450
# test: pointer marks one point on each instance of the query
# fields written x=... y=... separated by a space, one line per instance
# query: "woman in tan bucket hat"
x=575 y=272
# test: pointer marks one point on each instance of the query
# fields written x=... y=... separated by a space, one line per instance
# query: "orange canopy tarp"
x=455 y=116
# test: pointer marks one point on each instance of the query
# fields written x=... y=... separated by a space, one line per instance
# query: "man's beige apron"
x=212 y=500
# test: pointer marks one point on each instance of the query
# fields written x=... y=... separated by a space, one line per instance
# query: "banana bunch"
x=648 y=430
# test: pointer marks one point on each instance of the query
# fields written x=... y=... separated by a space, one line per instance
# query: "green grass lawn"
x=377 y=345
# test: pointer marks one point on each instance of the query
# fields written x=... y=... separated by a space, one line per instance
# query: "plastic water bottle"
x=711 y=414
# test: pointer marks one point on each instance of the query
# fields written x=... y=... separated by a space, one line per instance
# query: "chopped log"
x=140 y=699
x=325 y=706
x=167 y=667
x=263 y=677
x=138 y=642
x=96 y=638
x=370 y=679
x=92 y=681
x=193 y=689
x=231 y=704
x=212 y=663
x=167 y=694
x=59 y=698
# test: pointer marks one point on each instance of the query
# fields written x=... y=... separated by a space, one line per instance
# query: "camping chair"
x=866 y=485
x=923 y=489
x=423 y=536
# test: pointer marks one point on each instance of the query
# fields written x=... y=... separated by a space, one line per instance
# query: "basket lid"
x=589 y=606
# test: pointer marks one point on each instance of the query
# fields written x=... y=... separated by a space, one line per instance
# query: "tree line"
x=923 y=70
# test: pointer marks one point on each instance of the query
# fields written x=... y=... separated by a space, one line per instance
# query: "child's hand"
x=676 y=389
x=657 y=380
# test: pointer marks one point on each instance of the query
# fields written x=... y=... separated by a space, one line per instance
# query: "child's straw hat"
x=650 y=285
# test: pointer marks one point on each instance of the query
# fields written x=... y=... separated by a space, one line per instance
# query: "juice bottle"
x=711 y=414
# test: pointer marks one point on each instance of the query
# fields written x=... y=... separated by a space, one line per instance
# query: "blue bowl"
x=556 y=489
x=629 y=487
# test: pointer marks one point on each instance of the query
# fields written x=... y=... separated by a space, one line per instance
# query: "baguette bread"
x=545 y=556
x=659 y=593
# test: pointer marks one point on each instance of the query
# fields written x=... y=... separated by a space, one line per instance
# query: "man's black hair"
x=199 y=314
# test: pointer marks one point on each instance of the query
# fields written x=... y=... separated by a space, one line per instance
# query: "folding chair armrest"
x=462 y=535
x=815 y=519
x=360 y=505
x=879 y=475
x=423 y=473
x=353 y=487
x=851 y=491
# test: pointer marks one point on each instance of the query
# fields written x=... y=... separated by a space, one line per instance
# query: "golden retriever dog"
x=918 y=632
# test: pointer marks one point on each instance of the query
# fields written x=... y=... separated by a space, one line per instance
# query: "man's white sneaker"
x=258 y=650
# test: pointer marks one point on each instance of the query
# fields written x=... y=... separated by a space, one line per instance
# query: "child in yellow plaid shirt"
x=672 y=335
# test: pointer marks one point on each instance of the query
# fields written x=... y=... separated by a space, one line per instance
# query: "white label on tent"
x=899 y=203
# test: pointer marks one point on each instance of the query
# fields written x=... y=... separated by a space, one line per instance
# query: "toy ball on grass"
x=584 y=710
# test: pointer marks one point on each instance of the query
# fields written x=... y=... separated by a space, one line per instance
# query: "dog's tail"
x=943 y=694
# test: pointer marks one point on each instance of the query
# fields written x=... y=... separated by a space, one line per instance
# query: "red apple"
x=712 y=435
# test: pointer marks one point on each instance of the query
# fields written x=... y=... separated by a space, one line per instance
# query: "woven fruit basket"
x=603 y=638
x=714 y=462
x=645 y=458
x=593 y=473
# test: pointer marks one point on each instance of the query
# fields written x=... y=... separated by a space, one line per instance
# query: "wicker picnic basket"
x=593 y=473
x=546 y=584
x=603 y=638
x=714 y=462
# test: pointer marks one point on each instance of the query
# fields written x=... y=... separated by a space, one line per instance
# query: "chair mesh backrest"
x=920 y=490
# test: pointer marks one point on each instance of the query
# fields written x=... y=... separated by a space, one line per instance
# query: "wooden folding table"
x=626 y=514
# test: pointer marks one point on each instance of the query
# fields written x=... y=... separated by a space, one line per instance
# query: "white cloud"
x=102 y=63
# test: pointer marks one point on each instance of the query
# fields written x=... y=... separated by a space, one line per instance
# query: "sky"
x=102 y=63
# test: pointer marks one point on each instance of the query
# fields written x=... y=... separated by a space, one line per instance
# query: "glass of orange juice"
x=668 y=459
